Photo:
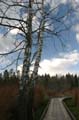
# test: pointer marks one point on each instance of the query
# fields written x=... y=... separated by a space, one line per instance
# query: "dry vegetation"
x=8 y=95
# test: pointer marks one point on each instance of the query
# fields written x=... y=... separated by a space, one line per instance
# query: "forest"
x=45 y=88
x=57 y=82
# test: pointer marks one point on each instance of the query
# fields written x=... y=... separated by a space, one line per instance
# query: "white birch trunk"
x=40 y=45
x=27 y=52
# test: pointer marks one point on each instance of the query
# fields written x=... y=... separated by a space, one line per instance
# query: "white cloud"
x=76 y=0
x=76 y=29
x=59 y=65
x=6 y=43
x=14 y=31
x=63 y=1
x=3 y=61
x=77 y=37
x=20 y=68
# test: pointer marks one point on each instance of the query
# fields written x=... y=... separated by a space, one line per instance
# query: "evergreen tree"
x=76 y=81
x=1 y=78
x=6 y=75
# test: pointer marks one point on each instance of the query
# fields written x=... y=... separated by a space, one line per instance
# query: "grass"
x=39 y=111
x=72 y=107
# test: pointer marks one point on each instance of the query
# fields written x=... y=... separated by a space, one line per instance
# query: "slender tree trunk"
x=40 y=45
x=24 y=103
x=27 y=52
x=38 y=57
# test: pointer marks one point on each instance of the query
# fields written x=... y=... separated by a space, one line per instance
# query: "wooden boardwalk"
x=56 y=111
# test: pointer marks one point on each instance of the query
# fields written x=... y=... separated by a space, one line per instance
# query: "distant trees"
x=67 y=81
x=76 y=81
x=59 y=83
x=11 y=72
x=1 y=78
x=9 y=76
x=6 y=75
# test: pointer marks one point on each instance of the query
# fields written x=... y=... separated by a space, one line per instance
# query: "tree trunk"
x=40 y=45
x=24 y=111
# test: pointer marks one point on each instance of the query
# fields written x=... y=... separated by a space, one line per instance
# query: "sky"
x=57 y=57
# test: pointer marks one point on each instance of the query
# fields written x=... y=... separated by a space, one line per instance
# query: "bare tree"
x=23 y=23
x=51 y=25
x=40 y=45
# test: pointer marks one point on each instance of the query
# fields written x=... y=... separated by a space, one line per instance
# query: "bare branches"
x=16 y=4
x=48 y=22
x=13 y=19
x=16 y=49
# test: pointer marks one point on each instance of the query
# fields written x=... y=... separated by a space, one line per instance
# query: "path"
x=56 y=111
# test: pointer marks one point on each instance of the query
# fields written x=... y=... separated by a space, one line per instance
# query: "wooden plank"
x=56 y=111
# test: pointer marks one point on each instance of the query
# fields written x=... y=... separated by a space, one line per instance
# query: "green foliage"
x=74 y=109
x=8 y=77
x=59 y=83
x=38 y=113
